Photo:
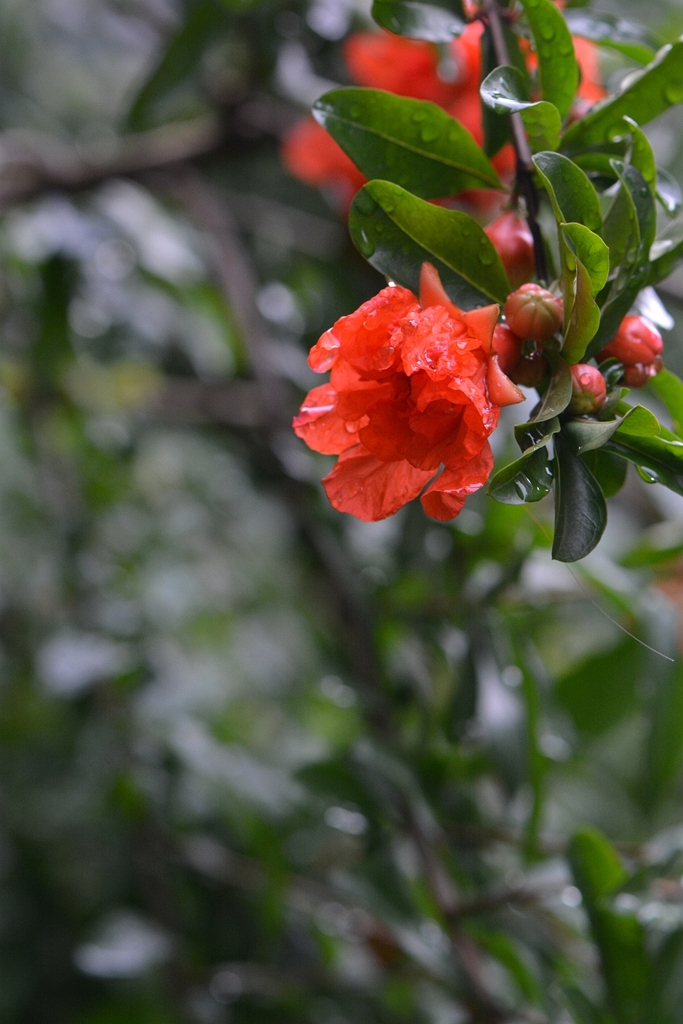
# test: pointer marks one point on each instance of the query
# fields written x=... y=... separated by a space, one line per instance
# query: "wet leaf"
x=558 y=71
x=410 y=142
x=643 y=96
x=430 y=22
x=527 y=479
x=580 y=510
x=396 y=233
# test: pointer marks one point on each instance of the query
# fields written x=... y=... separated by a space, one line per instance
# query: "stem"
x=525 y=168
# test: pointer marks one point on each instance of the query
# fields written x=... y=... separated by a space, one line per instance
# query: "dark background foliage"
x=259 y=761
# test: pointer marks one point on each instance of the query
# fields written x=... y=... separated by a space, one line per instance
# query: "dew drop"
x=365 y=204
x=366 y=245
x=486 y=259
x=418 y=116
x=429 y=134
x=547 y=32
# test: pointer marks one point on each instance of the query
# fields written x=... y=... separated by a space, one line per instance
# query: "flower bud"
x=637 y=342
x=512 y=238
x=589 y=390
x=533 y=313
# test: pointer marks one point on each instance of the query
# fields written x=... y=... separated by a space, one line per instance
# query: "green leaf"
x=609 y=470
x=637 y=202
x=658 y=544
x=570 y=191
x=601 y=690
x=530 y=436
x=659 y=458
x=557 y=395
x=586 y=435
x=590 y=249
x=597 y=869
x=527 y=479
x=632 y=40
x=558 y=72
x=179 y=61
x=410 y=142
x=503 y=949
x=669 y=388
x=620 y=936
x=580 y=510
x=396 y=233
x=643 y=96
x=505 y=91
x=584 y=315
x=426 y=21
x=666 y=251
x=642 y=156
x=664 y=751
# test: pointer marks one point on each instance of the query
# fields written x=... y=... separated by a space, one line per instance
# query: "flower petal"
x=364 y=486
x=320 y=425
x=445 y=498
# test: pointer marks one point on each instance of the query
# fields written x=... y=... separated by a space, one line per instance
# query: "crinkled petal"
x=445 y=498
x=365 y=487
x=366 y=337
x=320 y=425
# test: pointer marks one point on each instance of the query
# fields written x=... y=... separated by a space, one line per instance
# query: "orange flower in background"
x=413 y=387
x=310 y=154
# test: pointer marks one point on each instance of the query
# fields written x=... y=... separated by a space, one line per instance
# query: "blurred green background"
x=244 y=739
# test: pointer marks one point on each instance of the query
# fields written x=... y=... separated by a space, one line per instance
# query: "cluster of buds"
x=533 y=316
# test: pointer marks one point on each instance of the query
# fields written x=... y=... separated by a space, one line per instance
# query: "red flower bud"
x=636 y=342
x=533 y=312
x=511 y=236
x=589 y=390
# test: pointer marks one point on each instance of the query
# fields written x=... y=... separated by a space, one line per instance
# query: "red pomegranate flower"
x=413 y=387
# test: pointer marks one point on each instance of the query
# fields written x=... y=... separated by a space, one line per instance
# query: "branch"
x=525 y=167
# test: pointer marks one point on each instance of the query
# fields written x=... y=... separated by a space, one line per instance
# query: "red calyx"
x=514 y=242
x=533 y=313
x=589 y=390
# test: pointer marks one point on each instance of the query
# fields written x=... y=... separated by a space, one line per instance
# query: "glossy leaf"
x=530 y=436
x=558 y=71
x=587 y=435
x=580 y=510
x=593 y=253
x=598 y=872
x=666 y=252
x=570 y=191
x=637 y=201
x=496 y=128
x=527 y=479
x=642 y=156
x=643 y=96
x=660 y=457
x=609 y=470
x=584 y=316
x=669 y=388
x=425 y=21
x=411 y=142
x=632 y=40
x=505 y=91
x=396 y=233
x=558 y=394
